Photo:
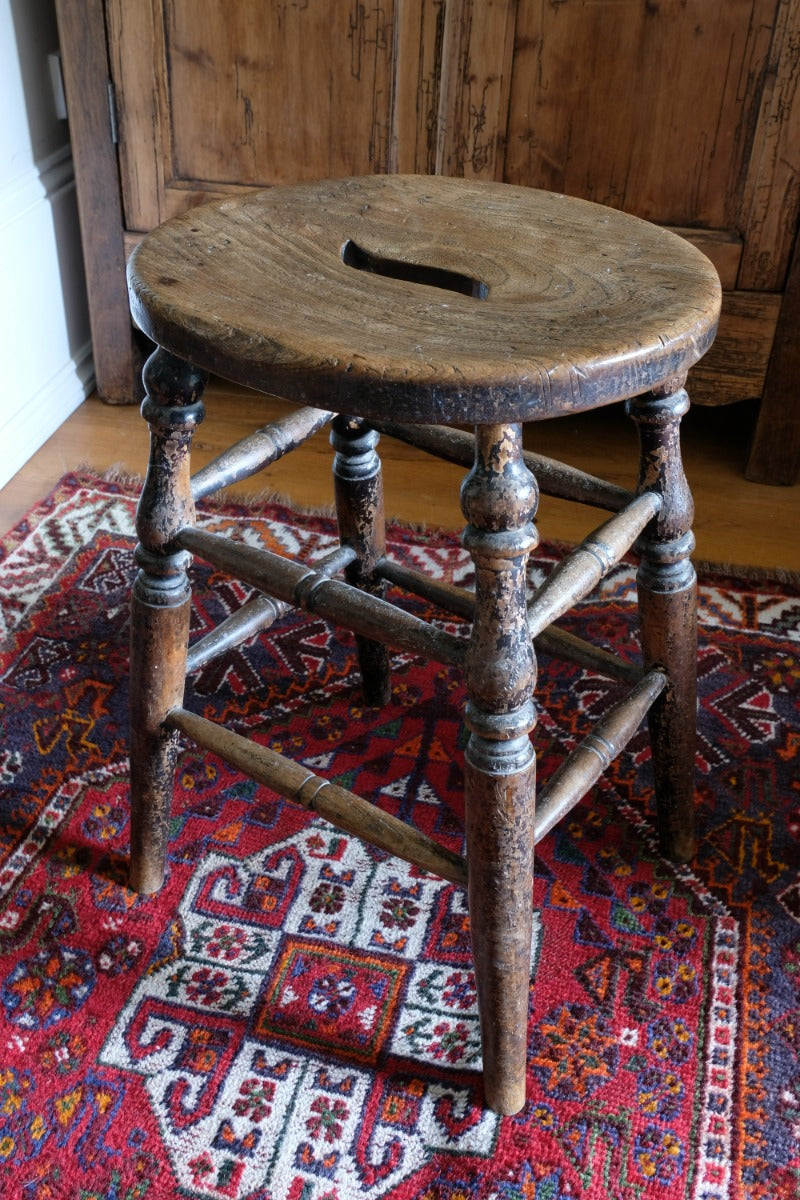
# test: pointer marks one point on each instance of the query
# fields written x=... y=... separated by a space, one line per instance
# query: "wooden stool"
x=411 y=305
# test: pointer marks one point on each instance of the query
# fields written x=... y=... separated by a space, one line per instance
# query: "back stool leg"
x=498 y=499
x=667 y=588
x=359 y=509
x=160 y=609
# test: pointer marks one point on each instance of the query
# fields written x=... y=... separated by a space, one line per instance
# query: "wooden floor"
x=737 y=521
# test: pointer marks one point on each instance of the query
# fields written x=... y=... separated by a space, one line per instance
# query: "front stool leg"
x=160 y=608
x=358 y=489
x=499 y=499
x=667 y=589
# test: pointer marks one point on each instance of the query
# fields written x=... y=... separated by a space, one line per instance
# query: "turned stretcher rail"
x=582 y=569
x=586 y=763
x=560 y=643
x=304 y=587
x=258 y=450
x=342 y=808
x=256 y=614
x=554 y=478
x=553 y=641
x=260 y=612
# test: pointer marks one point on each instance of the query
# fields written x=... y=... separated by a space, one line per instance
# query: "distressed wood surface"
x=117 y=359
x=582 y=305
x=160 y=609
x=256 y=614
x=336 y=804
x=476 y=66
x=423 y=298
x=554 y=478
x=258 y=450
x=683 y=111
x=775 y=452
x=418 y=34
x=723 y=247
x=137 y=59
x=552 y=640
x=218 y=98
x=310 y=589
x=360 y=515
x=771 y=200
x=573 y=96
x=735 y=367
x=646 y=106
x=499 y=499
x=261 y=77
x=667 y=596
x=579 y=572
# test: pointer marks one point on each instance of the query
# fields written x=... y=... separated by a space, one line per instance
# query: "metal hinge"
x=113 y=118
x=57 y=85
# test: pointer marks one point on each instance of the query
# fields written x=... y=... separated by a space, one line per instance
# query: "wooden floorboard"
x=737 y=521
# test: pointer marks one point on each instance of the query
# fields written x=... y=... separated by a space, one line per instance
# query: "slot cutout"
x=391 y=268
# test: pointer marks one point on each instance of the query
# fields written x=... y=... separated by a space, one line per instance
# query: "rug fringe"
x=755 y=575
x=120 y=476
x=133 y=481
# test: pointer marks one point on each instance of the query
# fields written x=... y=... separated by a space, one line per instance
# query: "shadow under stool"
x=411 y=306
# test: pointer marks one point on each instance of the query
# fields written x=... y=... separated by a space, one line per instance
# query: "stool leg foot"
x=500 y=872
x=358 y=488
x=669 y=638
x=160 y=609
x=499 y=501
x=667 y=589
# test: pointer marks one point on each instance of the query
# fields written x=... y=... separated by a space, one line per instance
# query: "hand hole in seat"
x=391 y=268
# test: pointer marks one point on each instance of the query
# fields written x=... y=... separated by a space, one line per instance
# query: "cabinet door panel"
x=647 y=106
x=268 y=93
x=215 y=97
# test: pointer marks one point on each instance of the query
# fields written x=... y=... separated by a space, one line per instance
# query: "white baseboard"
x=44 y=324
x=30 y=426
x=34 y=184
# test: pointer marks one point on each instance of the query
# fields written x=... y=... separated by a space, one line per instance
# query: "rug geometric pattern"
x=293 y=1017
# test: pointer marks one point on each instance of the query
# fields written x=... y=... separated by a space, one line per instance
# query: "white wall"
x=45 y=349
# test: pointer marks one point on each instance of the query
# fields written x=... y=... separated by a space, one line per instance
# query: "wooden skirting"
x=736 y=365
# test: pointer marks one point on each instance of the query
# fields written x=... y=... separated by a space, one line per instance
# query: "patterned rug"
x=293 y=1017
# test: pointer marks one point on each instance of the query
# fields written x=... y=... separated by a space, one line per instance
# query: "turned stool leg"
x=359 y=509
x=160 y=609
x=498 y=499
x=667 y=587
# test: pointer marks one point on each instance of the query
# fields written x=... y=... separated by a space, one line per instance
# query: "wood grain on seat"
x=572 y=304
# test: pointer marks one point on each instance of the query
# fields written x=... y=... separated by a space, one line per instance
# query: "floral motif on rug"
x=293 y=1017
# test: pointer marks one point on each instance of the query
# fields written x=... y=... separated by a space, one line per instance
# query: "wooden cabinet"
x=686 y=112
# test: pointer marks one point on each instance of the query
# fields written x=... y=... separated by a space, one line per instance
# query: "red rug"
x=293 y=1017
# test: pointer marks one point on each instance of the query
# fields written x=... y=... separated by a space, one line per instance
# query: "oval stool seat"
x=295 y=290
x=410 y=306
